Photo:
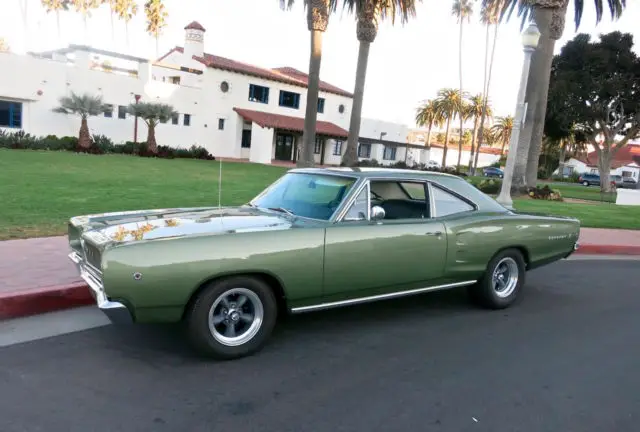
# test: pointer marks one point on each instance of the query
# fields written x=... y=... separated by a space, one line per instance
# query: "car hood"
x=127 y=227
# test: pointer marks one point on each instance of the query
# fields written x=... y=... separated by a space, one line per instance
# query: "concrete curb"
x=48 y=299
x=45 y=299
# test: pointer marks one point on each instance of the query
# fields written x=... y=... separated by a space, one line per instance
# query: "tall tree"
x=85 y=106
x=428 y=115
x=501 y=131
x=368 y=14
x=489 y=16
x=84 y=8
x=56 y=6
x=478 y=106
x=156 y=20
x=462 y=10
x=447 y=106
x=550 y=16
x=598 y=85
x=318 y=12
x=152 y=113
x=463 y=116
x=126 y=10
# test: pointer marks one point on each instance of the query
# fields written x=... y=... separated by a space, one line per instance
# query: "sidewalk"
x=36 y=276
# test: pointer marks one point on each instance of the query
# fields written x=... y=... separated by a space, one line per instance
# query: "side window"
x=447 y=204
x=414 y=190
x=360 y=208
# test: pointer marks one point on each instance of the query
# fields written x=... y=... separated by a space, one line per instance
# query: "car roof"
x=373 y=172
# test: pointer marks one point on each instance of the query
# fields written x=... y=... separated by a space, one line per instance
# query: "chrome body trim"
x=347 y=202
x=368 y=299
x=115 y=311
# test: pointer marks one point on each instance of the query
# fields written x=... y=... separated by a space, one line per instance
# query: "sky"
x=407 y=64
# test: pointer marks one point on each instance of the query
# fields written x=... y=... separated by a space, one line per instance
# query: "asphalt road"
x=564 y=359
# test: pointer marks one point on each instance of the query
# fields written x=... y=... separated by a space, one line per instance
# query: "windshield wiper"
x=282 y=210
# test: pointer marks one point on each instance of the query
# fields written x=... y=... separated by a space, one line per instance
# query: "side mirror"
x=377 y=213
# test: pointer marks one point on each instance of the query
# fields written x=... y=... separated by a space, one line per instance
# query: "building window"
x=337 y=148
x=163 y=120
x=258 y=93
x=341 y=109
x=364 y=150
x=10 y=114
x=320 y=105
x=627 y=174
x=220 y=124
x=246 y=138
x=187 y=120
x=289 y=99
x=389 y=153
x=108 y=112
x=174 y=118
x=122 y=112
x=317 y=148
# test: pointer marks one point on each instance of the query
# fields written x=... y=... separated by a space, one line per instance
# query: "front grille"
x=92 y=255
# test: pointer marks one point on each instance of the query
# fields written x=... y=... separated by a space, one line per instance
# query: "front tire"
x=232 y=318
x=502 y=281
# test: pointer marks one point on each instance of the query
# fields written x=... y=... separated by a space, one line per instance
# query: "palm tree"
x=447 y=106
x=502 y=131
x=156 y=20
x=368 y=14
x=461 y=9
x=152 y=113
x=126 y=10
x=463 y=115
x=427 y=115
x=84 y=7
x=318 y=12
x=489 y=16
x=550 y=16
x=84 y=105
x=478 y=106
x=56 y=6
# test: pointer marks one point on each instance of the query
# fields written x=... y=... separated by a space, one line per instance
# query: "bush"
x=490 y=186
x=101 y=145
x=544 y=193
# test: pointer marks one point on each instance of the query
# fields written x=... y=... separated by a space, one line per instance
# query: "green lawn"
x=578 y=191
x=40 y=191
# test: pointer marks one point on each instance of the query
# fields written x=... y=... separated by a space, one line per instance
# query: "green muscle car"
x=314 y=239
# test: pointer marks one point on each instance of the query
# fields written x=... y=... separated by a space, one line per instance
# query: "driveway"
x=564 y=359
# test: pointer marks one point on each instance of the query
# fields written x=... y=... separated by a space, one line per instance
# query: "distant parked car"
x=493 y=172
x=628 y=183
x=589 y=179
x=594 y=180
x=432 y=164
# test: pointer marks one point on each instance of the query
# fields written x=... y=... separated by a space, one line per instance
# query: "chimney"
x=194 y=40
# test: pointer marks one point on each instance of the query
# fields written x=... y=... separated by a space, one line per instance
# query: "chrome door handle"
x=434 y=233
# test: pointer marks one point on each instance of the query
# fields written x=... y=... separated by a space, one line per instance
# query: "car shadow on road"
x=316 y=330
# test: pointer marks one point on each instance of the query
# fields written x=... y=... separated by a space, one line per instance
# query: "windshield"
x=315 y=196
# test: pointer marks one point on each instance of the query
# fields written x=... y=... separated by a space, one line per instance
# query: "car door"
x=363 y=256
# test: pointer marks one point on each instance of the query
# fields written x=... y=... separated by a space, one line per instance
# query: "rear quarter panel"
x=173 y=269
x=474 y=239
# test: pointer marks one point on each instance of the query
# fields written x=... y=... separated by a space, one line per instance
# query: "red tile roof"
x=625 y=156
x=194 y=25
x=285 y=75
x=284 y=122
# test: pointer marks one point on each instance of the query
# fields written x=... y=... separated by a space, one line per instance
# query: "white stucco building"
x=233 y=109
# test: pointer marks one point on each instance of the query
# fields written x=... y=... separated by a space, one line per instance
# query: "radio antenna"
x=220 y=184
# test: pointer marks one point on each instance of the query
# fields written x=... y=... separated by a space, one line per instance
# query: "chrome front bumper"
x=115 y=311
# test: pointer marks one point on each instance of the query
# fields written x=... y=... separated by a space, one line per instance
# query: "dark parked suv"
x=493 y=172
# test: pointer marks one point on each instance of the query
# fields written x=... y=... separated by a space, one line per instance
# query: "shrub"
x=545 y=193
x=101 y=144
x=490 y=186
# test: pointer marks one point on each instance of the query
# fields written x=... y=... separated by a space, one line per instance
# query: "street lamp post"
x=530 y=38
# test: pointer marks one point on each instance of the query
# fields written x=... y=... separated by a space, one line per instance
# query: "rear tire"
x=232 y=318
x=502 y=281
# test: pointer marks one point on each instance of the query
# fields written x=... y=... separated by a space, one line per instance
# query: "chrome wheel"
x=505 y=277
x=236 y=316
